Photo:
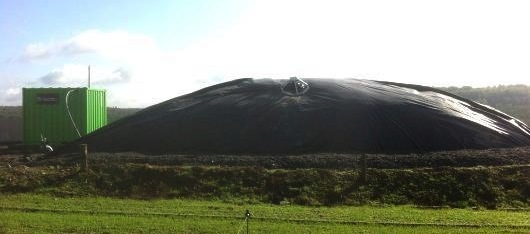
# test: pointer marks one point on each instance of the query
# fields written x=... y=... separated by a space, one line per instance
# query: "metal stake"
x=247 y=218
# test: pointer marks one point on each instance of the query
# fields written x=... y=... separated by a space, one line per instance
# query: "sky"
x=145 y=52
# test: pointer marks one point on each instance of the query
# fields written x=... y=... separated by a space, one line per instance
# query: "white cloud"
x=133 y=65
x=11 y=96
x=77 y=75
x=13 y=91
x=54 y=77
x=113 y=45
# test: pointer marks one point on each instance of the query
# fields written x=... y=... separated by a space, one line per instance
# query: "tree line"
x=511 y=99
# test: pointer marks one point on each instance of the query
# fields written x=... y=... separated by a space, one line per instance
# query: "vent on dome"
x=295 y=87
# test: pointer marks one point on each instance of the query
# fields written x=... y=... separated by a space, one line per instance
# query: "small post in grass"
x=363 y=168
x=84 y=157
x=247 y=218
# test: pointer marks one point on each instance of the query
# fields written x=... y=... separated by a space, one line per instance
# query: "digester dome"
x=255 y=116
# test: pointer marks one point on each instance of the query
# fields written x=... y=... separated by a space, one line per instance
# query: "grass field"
x=121 y=195
x=28 y=213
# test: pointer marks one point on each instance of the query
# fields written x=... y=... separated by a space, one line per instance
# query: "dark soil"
x=460 y=158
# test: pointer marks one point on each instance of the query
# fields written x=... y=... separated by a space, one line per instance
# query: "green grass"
x=489 y=187
x=25 y=213
x=58 y=223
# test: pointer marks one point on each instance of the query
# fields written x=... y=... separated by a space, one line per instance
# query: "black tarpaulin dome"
x=256 y=116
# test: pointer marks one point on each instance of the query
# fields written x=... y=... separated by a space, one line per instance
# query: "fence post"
x=84 y=157
x=363 y=168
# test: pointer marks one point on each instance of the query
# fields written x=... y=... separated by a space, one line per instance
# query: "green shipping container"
x=47 y=111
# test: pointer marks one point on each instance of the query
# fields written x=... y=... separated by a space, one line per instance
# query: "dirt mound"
x=266 y=116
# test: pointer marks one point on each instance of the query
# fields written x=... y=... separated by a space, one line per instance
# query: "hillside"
x=511 y=99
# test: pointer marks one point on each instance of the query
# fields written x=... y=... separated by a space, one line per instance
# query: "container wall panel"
x=96 y=109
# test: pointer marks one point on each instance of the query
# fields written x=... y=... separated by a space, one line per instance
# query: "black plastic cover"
x=254 y=116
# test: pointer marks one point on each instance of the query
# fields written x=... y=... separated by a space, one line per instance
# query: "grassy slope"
x=505 y=186
x=96 y=214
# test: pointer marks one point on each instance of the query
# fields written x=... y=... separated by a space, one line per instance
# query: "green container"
x=47 y=113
